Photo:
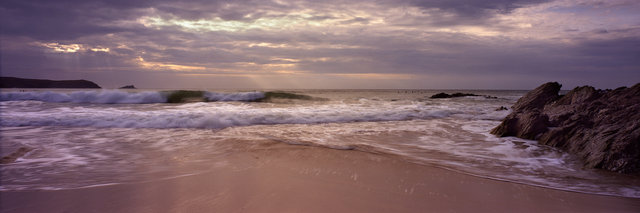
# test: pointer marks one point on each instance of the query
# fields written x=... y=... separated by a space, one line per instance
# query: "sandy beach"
x=288 y=178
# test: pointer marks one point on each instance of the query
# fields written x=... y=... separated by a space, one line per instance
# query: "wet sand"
x=286 y=178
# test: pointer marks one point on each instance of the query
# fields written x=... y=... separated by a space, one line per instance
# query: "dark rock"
x=537 y=98
x=11 y=82
x=457 y=94
x=502 y=108
x=441 y=95
x=454 y=95
x=128 y=87
x=527 y=125
x=527 y=113
x=600 y=126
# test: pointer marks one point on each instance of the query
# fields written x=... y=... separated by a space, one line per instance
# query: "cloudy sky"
x=432 y=44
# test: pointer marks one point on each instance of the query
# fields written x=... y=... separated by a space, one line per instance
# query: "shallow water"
x=106 y=137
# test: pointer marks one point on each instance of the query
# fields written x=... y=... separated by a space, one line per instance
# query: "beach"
x=291 y=151
x=290 y=178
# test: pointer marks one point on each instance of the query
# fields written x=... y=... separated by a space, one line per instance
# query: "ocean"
x=89 y=138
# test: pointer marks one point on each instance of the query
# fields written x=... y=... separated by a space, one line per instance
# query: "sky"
x=324 y=44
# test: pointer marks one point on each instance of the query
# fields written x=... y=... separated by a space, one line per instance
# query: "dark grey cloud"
x=50 y=20
x=70 y=19
x=465 y=12
x=476 y=8
x=407 y=46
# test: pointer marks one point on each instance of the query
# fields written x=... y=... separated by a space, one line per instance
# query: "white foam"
x=217 y=115
x=98 y=97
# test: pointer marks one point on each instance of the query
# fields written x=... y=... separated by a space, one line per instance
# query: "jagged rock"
x=601 y=127
x=128 y=87
x=11 y=82
x=527 y=125
x=537 y=98
x=526 y=120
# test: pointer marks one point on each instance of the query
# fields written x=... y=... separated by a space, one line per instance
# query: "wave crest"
x=174 y=96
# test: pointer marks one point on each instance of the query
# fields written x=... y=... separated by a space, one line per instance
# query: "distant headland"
x=12 y=82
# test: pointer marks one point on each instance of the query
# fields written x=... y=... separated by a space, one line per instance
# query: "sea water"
x=86 y=138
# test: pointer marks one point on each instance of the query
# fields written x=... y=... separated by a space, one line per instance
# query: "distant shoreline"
x=13 y=82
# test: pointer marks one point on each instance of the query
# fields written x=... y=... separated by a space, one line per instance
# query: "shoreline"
x=289 y=178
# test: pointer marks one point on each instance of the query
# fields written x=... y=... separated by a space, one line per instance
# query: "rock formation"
x=11 y=82
x=456 y=95
x=128 y=87
x=600 y=126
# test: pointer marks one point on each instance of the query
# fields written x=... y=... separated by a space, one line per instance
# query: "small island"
x=128 y=87
x=456 y=95
x=12 y=82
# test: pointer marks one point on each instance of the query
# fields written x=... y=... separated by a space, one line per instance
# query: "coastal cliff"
x=602 y=127
x=11 y=82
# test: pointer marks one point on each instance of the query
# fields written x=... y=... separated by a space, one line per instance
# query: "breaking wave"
x=216 y=115
x=120 y=97
x=98 y=97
